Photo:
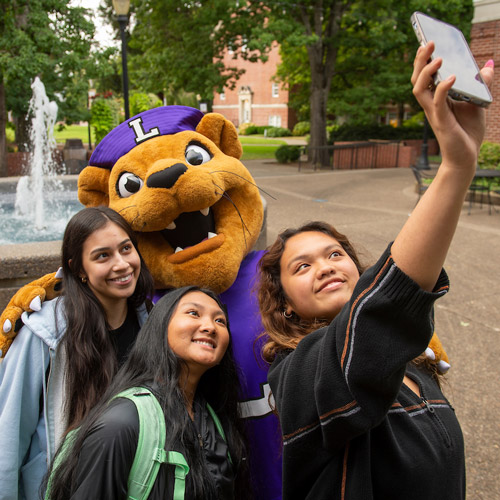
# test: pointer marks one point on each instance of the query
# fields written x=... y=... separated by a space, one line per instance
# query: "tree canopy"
x=52 y=40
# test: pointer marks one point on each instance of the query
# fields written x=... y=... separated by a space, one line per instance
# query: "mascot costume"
x=174 y=174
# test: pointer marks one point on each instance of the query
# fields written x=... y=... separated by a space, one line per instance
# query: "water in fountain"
x=42 y=206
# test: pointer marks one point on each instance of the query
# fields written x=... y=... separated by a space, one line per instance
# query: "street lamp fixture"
x=121 y=8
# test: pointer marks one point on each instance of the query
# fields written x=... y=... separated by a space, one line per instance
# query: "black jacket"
x=351 y=430
x=109 y=450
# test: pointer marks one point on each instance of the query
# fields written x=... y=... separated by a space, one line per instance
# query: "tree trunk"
x=22 y=133
x=401 y=114
x=3 y=138
x=318 y=153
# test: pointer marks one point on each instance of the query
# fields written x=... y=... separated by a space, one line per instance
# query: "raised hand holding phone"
x=457 y=59
x=421 y=246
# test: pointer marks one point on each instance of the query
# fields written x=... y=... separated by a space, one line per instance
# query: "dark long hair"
x=152 y=360
x=283 y=333
x=91 y=360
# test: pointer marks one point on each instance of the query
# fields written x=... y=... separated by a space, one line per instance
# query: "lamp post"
x=121 y=9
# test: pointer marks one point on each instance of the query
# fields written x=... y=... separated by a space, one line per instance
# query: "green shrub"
x=348 y=132
x=10 y=135
x=287 y=153
x=245 y=127
x=301 y=128
x=140 y=102
x=278 y=132
x=103 y=119
x=489 y=155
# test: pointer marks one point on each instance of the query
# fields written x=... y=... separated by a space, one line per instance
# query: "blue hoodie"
x=32 y=401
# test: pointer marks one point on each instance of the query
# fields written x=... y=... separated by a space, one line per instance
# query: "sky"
x=104 y=33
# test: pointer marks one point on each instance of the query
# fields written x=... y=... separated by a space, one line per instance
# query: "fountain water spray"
x=31 y=189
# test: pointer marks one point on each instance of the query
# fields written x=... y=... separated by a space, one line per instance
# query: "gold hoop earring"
x=84 y=279
x=286 y=315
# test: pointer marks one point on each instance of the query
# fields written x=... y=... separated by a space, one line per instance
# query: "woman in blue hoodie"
x=67 y=354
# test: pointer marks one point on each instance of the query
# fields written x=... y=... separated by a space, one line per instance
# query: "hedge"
x=347 y=132
x=287 y=153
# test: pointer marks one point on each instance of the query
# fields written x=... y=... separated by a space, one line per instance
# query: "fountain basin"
x=21 y=263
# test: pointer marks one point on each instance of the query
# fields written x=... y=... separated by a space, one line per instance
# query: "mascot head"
x=176 y=177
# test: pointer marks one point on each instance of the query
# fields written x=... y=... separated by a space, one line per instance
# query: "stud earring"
x=84 y=279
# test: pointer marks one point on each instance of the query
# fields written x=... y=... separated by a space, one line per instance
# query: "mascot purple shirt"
x=175 y=175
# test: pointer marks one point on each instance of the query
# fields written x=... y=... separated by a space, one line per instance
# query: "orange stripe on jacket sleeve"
x=358 y=298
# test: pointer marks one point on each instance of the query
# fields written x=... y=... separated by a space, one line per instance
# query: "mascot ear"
x=93 y=187
x=221 y=132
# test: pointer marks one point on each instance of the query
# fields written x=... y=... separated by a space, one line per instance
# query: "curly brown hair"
x=282 y=333
x=285 y=333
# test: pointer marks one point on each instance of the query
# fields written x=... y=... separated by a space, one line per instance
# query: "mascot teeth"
x=190 y=228
x=209 y=236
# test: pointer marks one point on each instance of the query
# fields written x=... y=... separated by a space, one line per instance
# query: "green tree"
x=313 y=25
x=375 y=68
x=375 y=47
x=176 y=48
x=49 y=39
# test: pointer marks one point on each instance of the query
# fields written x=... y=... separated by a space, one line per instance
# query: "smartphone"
x=451 y=46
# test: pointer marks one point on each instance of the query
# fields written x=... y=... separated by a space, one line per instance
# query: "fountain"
x=34 y=210
x=41 y=206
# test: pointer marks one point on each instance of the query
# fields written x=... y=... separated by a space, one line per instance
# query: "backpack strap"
x=150 y=453
x=218 y=426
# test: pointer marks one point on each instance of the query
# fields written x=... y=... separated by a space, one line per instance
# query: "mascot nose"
x=166 y=178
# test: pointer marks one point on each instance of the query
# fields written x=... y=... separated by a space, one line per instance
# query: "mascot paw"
x=11 y=324
x=435 y=352
x=29 y=298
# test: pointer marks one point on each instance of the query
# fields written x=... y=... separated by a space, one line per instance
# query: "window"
x=274 y=120
x=222 y=96
x=275 y=90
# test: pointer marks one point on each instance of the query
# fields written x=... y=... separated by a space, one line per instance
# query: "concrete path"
x=371 y=206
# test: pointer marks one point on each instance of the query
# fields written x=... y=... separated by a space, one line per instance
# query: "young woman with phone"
x=359 y=419
x=66 y=354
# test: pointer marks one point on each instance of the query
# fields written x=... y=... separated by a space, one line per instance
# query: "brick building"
x=485 y=44
x=256 y=97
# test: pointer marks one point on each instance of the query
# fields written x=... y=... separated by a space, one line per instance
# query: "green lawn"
x=259 y=139
x=73 y=132
x=258 y=152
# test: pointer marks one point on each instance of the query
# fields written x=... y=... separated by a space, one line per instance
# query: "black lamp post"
x=423 y=160
x=121 y=9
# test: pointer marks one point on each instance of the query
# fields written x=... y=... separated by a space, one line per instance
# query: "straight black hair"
x=152 y=361
x=91 y=360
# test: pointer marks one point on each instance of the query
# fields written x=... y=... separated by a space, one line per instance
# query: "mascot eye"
x=196 y=155
x=128 y=184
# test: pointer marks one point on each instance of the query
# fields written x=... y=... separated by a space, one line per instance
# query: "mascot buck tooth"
x=174 y=174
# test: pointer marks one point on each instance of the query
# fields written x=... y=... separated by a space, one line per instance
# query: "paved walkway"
x=371 y=206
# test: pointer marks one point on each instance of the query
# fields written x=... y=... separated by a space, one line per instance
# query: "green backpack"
x=150 y=453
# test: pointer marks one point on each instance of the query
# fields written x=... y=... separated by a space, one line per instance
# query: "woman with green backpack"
x=168 y=425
